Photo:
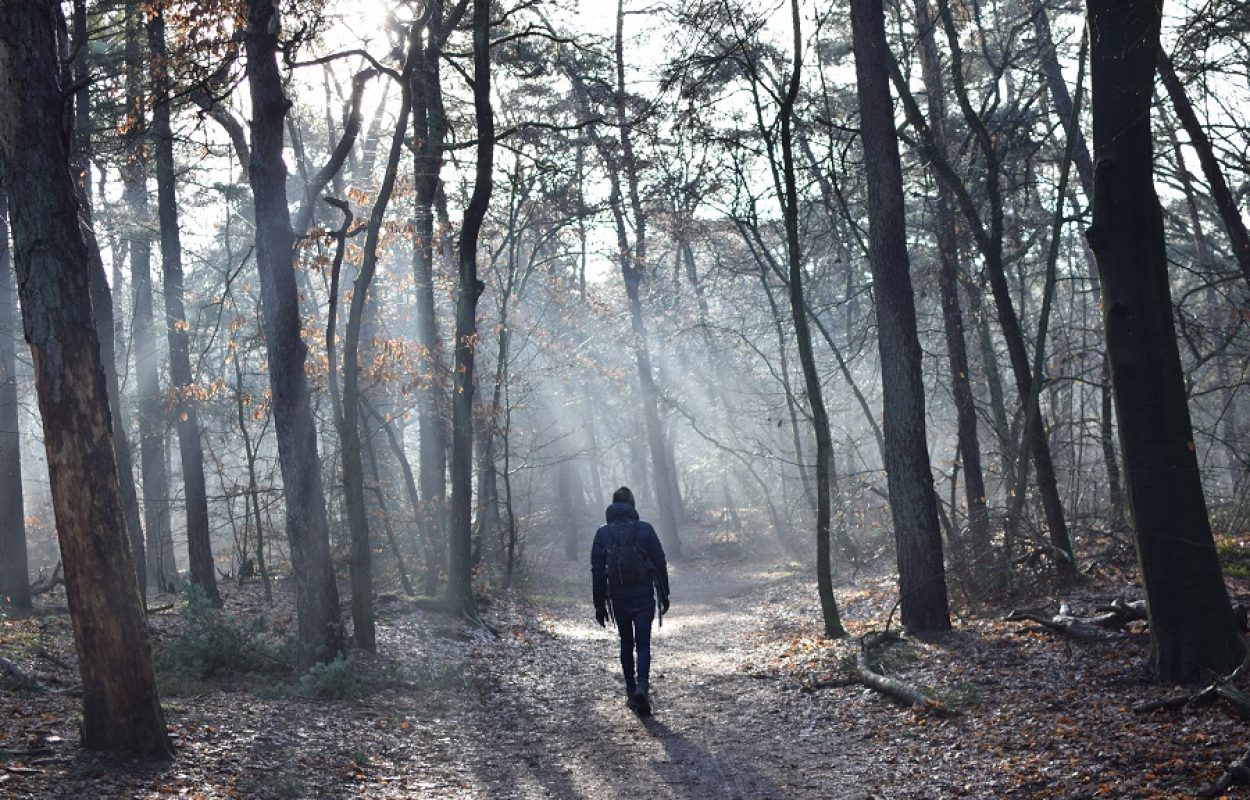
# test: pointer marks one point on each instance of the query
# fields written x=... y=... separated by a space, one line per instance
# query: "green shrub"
x=212 y=643
x=335 y=680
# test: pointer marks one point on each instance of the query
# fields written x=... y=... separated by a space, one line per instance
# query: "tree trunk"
x=633 y=261
x=430 y=555
x=913 y=503
x=1061 y=98
x=807 y=356
x=120 y=707
x=569 y=497
x=429 y=129
x=253 y=490
x=14 y=573
x=1192 y=627
x=363 y=625
x=469 y=289
x=183 y=388
x=101 y=296
x=379 y=492
x=981 y=561
x=320 y=630
x=162 y=568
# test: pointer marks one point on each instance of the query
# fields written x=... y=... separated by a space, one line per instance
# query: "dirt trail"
x=562 y=729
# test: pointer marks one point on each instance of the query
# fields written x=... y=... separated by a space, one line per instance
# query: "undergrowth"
x=212 y=644
x=1235 y=557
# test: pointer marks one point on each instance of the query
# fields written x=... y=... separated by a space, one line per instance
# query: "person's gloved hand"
x=664 y=604
x=601 y=615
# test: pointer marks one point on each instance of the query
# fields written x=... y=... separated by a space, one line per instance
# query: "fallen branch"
x=1119 y=613
x=43 y=585
x=20 y=677
x=905 y=693
x=1239 y=700
x=828 y=683
x=1220 y=686
x=1068 y=625
x=1237 y=774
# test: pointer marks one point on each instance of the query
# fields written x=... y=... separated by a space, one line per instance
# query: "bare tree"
x=913 y=504
x=469 y=289
x=14 y=575
x=320 y=630
x=183 y=403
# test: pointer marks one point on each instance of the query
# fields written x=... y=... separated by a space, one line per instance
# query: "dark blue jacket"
x=617 y=514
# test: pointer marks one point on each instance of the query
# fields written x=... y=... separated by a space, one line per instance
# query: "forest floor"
x=750 y=702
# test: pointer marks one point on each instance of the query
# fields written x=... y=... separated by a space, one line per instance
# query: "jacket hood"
x=619 y=512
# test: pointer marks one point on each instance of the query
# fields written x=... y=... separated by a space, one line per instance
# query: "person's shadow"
x=695 y=772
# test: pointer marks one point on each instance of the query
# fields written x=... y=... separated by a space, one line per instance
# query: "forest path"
x=558 y=726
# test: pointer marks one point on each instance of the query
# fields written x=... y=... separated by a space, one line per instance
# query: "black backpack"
x=628 y=565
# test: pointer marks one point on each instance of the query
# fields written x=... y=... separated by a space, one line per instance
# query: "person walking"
x=630 y=578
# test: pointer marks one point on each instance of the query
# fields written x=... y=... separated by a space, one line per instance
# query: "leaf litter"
x=751 y=702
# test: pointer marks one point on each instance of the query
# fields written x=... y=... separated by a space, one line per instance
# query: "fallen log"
x=1221 y=686
x=1239 y=700
x=905 y=693
x=1237 y=774
x=20 y=678
x=1119 y=613
x=1068 y=625
x=43 y=585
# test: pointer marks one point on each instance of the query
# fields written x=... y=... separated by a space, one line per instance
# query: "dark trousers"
x=633 y=621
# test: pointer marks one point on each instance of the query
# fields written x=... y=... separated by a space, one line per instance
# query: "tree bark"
x=101 y=296
x=807 y=357
x=121 y=710
x=320 y=630
x=469 y=289
x=1192 y=627
x=183 y=389
x=429 y=123
x=14 y=571
x=982 y=561
x=913 y=503
x=363 y=625
x=162 y=567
